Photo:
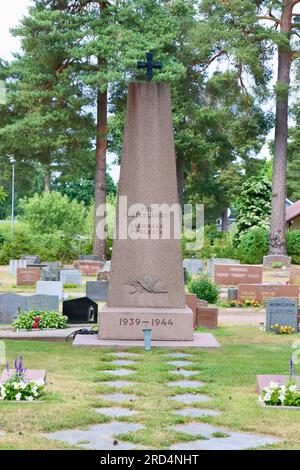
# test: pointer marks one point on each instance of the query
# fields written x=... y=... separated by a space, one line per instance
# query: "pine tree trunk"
x=47 y=179
x=224 y=217
x=180 y=179
x=99 y=246
x=277 y=229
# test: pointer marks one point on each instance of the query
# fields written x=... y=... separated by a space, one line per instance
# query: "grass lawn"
x=74 y=384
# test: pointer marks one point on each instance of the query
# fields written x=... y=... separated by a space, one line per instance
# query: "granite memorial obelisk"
x=146 y=288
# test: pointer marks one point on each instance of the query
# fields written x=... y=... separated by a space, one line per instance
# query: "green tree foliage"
x=82 y=190
x=50 y=212
x=254 y=245
x=293 y=164
x=254 y=205
x=45 y=98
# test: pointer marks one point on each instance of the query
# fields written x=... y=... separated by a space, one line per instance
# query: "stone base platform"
x=167 y=324
x=29 y=375
x=200 y=341
x=263 y=381
x=40 y=335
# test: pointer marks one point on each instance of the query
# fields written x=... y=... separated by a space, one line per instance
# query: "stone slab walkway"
x=203 y=436
x=98 y=437
x=118 y=383
x=219 y=438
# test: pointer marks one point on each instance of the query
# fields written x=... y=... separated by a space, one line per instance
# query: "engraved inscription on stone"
x=282 y=311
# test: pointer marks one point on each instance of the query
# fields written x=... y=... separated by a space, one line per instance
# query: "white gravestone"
x=50 y=288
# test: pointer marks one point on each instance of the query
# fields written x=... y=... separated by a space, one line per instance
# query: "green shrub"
x=51 y=212
x=205 y=289
x=20 y=245
x=293 y=245
x=26 y=320
x=254 y=246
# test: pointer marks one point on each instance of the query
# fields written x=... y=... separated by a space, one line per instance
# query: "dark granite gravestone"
x=42 y=302
x=97 y=290
x=10 y=304
x=281 y=311
x=31 y=259
x=82 y=310
x=88 y=258
x=51 y=272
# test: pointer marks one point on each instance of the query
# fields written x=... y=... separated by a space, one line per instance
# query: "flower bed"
x=17 y=388
x=240 y=304
x=279 y=396
x=283 y=329
x=39 y=320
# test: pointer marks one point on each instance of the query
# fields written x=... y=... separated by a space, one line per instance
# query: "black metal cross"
x=149 y=65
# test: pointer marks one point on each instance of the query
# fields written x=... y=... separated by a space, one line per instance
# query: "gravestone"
x=14 y=264
x=232 y=294
x=43 y=302
x=28 y=276
x=263 y=292
x=10 y=304
x=270 y=259
x=192 y=301
x=207 y=317
x=233 y=275
x=88 y=267
x=82 y=310
x=281 y=311
x=31 y=259
x=211 y=263
x=71 y=276
x=193 y=266
x=97 y=290
x=50 y=288
x=295 y=275
x=146 y=288
x=51 y=272
x=88 y=258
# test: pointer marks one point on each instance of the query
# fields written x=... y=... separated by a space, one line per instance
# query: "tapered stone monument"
x=146 y=288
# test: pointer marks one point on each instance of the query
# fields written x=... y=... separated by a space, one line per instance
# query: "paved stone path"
x=98 y=437
x=116 y=412
x=118 y=372
x=219 y=439
x=185 y=373
x=186 y=384
x=119 y=383
x=123 y=362
x=208 y=437
x=118 y=397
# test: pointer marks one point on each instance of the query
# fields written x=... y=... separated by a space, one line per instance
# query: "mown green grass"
x=74 y=385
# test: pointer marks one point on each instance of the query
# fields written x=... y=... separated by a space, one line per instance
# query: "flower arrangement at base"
x=39 y=320
x=283 y=329
x=17 y=388
x=241 y=304
x=281 y=395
